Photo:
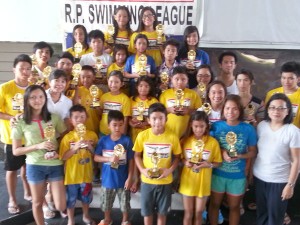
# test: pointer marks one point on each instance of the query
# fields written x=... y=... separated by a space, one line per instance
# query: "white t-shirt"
x=90 y=59
x=233 y=89
x=61 y=107
x=273 y=162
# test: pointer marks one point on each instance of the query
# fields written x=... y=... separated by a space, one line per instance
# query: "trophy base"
x=95 y=104
x=143 y=73
x=49 y=154
x=154 y=173
x=195 y=160
x=140 y=118
x=83 y=146
x=114 y=165
x=178 y=109
x=232 y=154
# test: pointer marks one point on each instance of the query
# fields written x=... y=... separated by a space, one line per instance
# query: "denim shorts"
x=234 y=187
x=37 y=174
x=155 y=198
x=82 y=192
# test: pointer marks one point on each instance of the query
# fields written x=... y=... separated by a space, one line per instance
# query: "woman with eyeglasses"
x=276 y=166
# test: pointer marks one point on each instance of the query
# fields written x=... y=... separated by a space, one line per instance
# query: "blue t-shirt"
x=246 y=136
x=114 y=178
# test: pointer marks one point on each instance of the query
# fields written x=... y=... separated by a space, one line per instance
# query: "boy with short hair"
x=78 y=156
x=43 y=52
x=178 y=117
x=156 y=147
x=290 y=74
x=117 y=169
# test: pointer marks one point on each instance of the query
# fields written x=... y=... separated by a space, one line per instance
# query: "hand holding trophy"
x=231 y=139
x=76 y=69
x=118 y=152
x=155 y=171
x=201 y=89
x=34 y=73
x=94 y=91
x=191 y=57
x=142 y=63
x=78 y=50
x=49 y=134
x=179 y=100
x=80 y=130
x=164 y=78
x=249 y=113
x=111 y=32
x=160 y=31
x=196 y=154
x=206 y=107
x=140 y=108
x=46 y=73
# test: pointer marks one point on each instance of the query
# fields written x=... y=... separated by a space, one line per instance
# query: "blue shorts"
x=234 y=187
x=82 y=192
x=37 y=174
x=155 y=197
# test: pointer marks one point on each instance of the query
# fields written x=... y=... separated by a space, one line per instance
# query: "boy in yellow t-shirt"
x=157 y=154
x=77 y=152
x=178 y=117
x=83 y=96
x=290 y=73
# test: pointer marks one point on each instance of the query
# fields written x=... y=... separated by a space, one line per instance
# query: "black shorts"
x=11 y=162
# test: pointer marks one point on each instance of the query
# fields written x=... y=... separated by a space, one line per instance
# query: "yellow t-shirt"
x=134 y=112
x=165 y=144
x=198 y=184
x=178 y=124
x=121 y=38
x=85 y=99
x=84 y=51
x=9 y=106
x=295 y=100
x=113 y=102
x=79 y=167
x=153 y=48
x=125 y=87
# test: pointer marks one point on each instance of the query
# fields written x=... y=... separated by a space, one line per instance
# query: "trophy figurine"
x=202 y=89
x=81 y=131
x=46 y=73
x=18 y=102
x=76 y=69
x=140 y=108
x=231 y=139
x=164 y=77
x=155 y=171
x=111 y=32
x=34 y=73
x=191 y=55
x=99 y=67
x=206 y=107
x=249 y=112
x=196 y=155
x=118 y=152
x=142 y=63
x=160 y=31
x=94 y=91
x=179 y=100
x=49 y=134
x=78 y=50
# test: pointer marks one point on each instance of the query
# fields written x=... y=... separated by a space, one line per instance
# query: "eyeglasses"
x=203 y=76
x=279 y=109
x=149 y=16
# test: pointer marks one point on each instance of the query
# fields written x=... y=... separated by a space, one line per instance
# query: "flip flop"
x=48 y=214
x=13 y=209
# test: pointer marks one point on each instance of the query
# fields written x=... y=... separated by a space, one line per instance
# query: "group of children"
x=138 y=127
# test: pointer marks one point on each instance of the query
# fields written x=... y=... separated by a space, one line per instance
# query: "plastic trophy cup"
x=155 y=171
x=231 y=139
x=142 y=62
x=164 y=77
x=49 y=134
x=46 y=73
x=206 y=107
x=118 y=152
x=140 y=108
x=111 y=32
x=76 y=69
x=81 y=131
x=78 y=50
x=94 y=91
x=179 y=100
x=202 y=89
x=34 y=72
x=18 y=102
x=249 y=112
x=99 y=67
x=191 y=55
x=160 y=31
x=196 y=155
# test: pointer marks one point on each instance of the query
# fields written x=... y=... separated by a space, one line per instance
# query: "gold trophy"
x=118 y=152
x=49 y=134
x=206 y=107
x=191 y=55
x=46 y=73
x=18 y=102
x=164 y=77
x=155 y=171
x=140 y=108
x=179 y=100
x=81 y=131
x=78 y=50
x=196 y=155
x=34 y=73
x=160 y=31
x=94 y=91
x=202 y=89
x=231 y=139
x=99 y=67
x=76 y=69
x=249 y=112
x=111 y=32
x=142 y=63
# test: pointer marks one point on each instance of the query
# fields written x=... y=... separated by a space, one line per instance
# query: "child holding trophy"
x=179 y=101
x=140 y=102
x=37 y=128
x=139 y=64
x=237 y=140
x=201 y=154
x=204 y=77
x=148 y=25
x=115 y=152
x=190 y=55
x=76 y=149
